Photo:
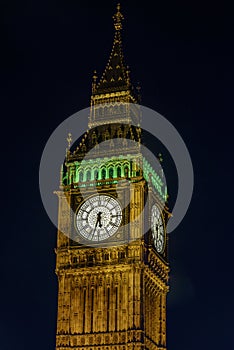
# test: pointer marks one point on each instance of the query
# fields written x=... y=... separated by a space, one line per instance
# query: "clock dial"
x=98 y=218
x=157 y=228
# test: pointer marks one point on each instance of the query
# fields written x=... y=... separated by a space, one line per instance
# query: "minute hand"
x=95 y=228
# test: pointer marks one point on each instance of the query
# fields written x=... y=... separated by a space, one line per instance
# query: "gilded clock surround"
x=158 y=228
x=111 y=296
x=98 y=217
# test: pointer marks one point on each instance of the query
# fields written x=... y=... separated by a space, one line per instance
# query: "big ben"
x=112 y=268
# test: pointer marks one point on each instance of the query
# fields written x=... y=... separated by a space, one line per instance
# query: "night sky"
x=182 y=55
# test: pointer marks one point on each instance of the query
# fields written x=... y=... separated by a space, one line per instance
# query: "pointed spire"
x=118 y=18
x=116 y=74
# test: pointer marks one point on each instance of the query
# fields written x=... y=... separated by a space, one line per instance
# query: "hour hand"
x=99 y=216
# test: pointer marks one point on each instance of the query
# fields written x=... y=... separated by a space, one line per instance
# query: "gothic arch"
x=81 y=176
x=88 y=175
x=119 y=171
x=111 y=172
x=103 y=173
x=95 y=174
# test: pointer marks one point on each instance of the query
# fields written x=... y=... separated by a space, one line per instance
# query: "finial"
x=94 y=81
x=94 y=76
x=69 y=139
x=128 y=74
x=61 y=175
x=160 y=157
x=118 y=18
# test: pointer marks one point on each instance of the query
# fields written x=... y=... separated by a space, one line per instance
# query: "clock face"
x=157 y=228
x=98 y=218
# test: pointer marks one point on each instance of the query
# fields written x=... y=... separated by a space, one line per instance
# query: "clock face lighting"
x=98 y=218
x=157 y=228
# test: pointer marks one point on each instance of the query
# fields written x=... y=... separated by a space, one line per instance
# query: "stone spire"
x=116 y=74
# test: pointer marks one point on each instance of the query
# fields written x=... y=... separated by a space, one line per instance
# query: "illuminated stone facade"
x=112 y=296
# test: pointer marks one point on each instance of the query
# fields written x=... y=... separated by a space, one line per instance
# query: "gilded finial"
x=160 y=157
x=69 y=139
x=94 y=81
x=128 y=74
x=118 y=18
x=95 y=76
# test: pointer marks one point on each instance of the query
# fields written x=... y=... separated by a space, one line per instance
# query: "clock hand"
x=95 y=227
x=99 y=216
x=84 y=211
x=157 y=232
x=98 y=221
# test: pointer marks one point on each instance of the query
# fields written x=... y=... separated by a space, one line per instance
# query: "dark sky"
x=182 y=54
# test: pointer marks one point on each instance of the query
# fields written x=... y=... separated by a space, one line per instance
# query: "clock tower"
x=112 y=266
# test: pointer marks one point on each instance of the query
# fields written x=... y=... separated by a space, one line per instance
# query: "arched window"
x=126 y=171
x=103 y=174
x=88 y=175
x=94 y=138
x=81 y=176
x=106 y=135
x=95 y=174
x=111 y=173
x=119 y=171
x=105 y=112
x=119 y=132
x=65 y=180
